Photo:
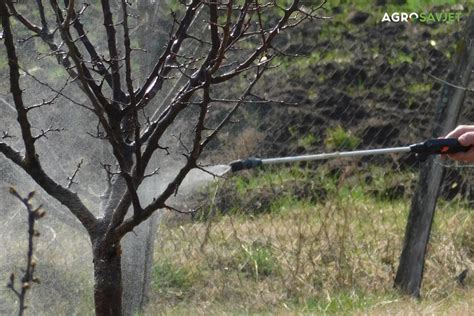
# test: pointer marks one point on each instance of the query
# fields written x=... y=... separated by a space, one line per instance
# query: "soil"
x=373 y=79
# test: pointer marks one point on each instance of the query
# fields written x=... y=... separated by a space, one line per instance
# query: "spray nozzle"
x=248 y=163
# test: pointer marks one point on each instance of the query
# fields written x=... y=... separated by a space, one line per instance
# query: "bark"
x=108 y=279
x=410 y=270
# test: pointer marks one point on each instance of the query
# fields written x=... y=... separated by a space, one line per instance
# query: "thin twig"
x=28 y=277
x=73 y=176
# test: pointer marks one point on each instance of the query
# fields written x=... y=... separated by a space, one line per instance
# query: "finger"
x=467 y=139
x=467 y=156
x=458 y=131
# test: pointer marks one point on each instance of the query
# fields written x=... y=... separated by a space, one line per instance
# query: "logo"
x=423 y=17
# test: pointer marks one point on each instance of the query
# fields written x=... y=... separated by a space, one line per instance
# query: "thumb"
x=467 y=139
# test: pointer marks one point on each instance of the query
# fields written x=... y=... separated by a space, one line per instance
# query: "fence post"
x=410 y=270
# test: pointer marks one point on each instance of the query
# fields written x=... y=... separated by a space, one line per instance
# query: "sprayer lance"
x=422 y=150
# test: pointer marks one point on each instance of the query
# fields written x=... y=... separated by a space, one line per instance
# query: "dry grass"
x=459 y=302
x=337 y=256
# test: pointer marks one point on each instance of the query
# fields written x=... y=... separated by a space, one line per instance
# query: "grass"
x=308 y=140
x=419 y=88
x=338 y=138
x=169 y=280
x=399 y=58
x=257 y=261
x=333 y=256
x=166 y=276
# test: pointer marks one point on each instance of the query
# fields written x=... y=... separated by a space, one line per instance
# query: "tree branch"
x=30 y=163
x=155 y=80
x=112 y=45
x=96 y=60
x=172 y=187
x=263 y=47
x=234 y=109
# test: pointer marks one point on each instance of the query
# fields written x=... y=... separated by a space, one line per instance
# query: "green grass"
x=416 y=88
x=399 y=58
x=167 y=276
x=308 y=140
x=257 y=261
x=338 y=138
x=344 y=302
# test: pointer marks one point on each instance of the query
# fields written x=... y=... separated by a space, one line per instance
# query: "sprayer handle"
x=439 y=146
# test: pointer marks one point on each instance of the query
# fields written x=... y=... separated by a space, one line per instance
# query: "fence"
x=306 y=234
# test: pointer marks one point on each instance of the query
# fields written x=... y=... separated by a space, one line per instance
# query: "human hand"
x=465 y=136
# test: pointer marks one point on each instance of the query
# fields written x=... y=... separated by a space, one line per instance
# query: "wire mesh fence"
x=310 y=232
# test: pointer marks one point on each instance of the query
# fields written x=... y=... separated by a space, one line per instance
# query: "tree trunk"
x=108 y=279
x=412 y=260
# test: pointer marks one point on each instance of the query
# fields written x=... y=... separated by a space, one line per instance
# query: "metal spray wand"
x=422 y=150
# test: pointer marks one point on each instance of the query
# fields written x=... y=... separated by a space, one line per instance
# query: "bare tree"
x=239 y=42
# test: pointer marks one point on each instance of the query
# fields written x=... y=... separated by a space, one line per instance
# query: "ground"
x=335 y=253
